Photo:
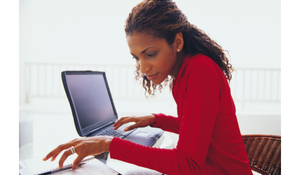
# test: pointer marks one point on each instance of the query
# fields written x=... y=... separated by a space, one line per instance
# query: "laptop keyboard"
x=116 y=133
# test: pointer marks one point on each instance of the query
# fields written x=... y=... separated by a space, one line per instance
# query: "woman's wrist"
x=107 y=142
x=153 y=120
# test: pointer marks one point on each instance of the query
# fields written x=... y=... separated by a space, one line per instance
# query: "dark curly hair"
x=163 y=19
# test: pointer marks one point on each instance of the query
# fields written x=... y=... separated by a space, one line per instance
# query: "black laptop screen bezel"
x=89 y=129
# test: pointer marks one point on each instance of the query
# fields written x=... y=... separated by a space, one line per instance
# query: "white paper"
x=37 y=165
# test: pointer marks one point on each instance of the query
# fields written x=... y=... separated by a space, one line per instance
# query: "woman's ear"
x=178 y=42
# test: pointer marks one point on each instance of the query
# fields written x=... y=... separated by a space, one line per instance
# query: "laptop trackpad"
x=142 y=134
x=145 y=136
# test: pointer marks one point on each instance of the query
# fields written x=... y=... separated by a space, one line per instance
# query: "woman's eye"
x=151 y=54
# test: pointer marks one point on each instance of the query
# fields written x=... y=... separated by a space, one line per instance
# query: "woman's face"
x=154 y=56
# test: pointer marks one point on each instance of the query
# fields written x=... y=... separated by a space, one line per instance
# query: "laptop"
x=94 y=111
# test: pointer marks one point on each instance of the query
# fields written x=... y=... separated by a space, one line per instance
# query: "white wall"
x=248 y=29
x=92 y=31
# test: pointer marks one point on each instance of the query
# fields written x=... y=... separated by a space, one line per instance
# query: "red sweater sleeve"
x=167 y=123
x=158 y=159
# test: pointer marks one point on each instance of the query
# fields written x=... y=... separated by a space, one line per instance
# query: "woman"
x=168 y=48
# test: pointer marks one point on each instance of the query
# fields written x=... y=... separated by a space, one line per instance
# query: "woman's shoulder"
x=200 y=61
x=198 y=64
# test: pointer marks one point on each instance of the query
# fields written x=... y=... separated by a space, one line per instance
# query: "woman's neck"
x=180 y=58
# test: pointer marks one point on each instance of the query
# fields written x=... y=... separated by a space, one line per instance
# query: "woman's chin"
x=156 y=82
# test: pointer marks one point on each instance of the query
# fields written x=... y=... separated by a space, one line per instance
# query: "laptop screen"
x=91 y=100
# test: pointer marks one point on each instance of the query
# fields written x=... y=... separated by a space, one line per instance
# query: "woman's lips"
x=150 y=77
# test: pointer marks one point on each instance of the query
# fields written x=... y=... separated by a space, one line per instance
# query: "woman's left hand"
x=83 y=147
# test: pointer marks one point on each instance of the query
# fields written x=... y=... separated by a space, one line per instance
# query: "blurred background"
x=57 y=35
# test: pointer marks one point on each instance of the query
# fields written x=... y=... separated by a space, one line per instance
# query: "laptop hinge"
x=100 y=127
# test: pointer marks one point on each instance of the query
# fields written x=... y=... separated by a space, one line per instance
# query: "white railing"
x=43 y=80
x=249 y=85
x=260 y=85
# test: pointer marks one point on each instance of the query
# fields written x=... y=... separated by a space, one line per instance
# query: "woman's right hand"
x=140 y=121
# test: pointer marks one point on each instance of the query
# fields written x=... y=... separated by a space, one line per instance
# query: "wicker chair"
x=264 y=152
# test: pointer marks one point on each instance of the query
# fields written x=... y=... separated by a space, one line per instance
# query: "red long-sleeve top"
x=209 y=142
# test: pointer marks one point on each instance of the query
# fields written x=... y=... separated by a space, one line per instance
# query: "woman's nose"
x=144 y=67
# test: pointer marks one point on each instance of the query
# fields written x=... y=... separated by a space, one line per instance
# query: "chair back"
x=264 y=153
